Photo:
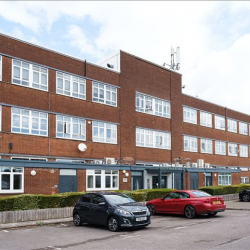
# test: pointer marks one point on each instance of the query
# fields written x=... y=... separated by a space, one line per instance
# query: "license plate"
x=216 y=202
x=141 y=218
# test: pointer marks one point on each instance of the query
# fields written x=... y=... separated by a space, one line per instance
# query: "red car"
x=187 y=202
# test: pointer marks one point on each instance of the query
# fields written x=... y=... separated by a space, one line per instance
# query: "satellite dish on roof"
x=82 y=147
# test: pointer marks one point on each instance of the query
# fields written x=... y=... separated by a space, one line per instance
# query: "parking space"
x=225 y=231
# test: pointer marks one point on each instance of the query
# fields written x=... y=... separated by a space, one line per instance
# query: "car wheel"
x=246 y=197
x=212 y=214
x=151 y=209
x=113 y=224
x=189 y=212
x=77 y=220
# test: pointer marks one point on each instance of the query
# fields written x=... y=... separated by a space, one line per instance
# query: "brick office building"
x=69 y=125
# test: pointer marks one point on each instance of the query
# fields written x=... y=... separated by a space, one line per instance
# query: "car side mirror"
x=162 y=198
x=102 y=204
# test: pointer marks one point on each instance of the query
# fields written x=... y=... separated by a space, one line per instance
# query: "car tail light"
x=206 y=201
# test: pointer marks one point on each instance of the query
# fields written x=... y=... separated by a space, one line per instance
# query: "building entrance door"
x=67 y=180
x=193 y=181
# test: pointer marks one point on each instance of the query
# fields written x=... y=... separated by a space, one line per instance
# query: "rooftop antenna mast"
x=175 y=55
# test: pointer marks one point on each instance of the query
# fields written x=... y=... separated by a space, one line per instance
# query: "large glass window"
x=244 y=180
x=70 y=127
x=153 y=139
x=232 y=125
x=206 y=146
x=102 y=179
x=232 y=149
x=190 y=115
x=225 y=179
x=205 y=119
x=243 y=128
x=0 y=68
x=220 y=148
x=104 y=132
x=11 y=180
x=151 y=105
x=29 y=122
x=243 y=151
x=219 y=122
x=190 y=143
x=29 y=75
x=70 y=85
x=103 y=93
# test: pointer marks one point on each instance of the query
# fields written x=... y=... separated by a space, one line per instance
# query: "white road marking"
x=5 y=231
x=179 y=227
x=63 y=225
x=129 y=236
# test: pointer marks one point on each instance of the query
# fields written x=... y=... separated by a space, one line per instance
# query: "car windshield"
x=117 y=199
x=200 y=194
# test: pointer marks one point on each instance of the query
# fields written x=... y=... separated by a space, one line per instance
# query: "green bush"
x=221 y=190
x=135 y=195
x=25 y=202
x=156 y=193
x=69 y=199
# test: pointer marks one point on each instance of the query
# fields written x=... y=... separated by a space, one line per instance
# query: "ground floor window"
x=102 y=179
x=225 y=179
x=11 y=180
x=155 y=182
x=244 y=179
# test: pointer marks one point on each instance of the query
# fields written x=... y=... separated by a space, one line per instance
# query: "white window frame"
x=31 y=70
x=104 y=132
x=25 y=116
x=243 y=150
x=224 y=179
x=244 y=180
x=189 y=115
x=153 y=139
x=152 y=105
x=220 y=148
x=243 y=128
x=104 y=94
x=1 y=68
x=190 y=143
x=67 y=124
x=11 y=173
x=232 y=149
x=206 y=146
x=114 y=176
x=232 y=125
x=66 y=84
x=219 y=122
x=205 y=119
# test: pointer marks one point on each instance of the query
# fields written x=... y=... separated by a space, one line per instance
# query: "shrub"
x=156 y=193
x=135 y=195
x=25 y=202
x=221 y=190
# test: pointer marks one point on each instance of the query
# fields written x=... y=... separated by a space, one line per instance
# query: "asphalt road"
x=227 y=230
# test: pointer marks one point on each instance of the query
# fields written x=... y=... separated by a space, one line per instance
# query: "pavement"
x=231 y=205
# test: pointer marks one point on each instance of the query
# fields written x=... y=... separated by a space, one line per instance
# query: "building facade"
x=70 y=125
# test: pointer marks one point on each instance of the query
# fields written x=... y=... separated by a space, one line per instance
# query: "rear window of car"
x=200 y=194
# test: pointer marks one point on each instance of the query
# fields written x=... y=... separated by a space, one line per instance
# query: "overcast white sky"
x=214 y=38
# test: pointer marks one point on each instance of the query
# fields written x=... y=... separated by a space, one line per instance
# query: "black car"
x=112 y=209
x=244 y=195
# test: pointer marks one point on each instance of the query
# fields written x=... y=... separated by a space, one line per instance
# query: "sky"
x=213 y=36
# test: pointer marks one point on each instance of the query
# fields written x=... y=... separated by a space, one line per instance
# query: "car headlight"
x=123 y=212
x=147 y=211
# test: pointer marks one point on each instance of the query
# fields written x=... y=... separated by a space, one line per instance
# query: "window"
x=232 y=149
x=104 y=132
x=70 y=85
x=29 y=122
x=190 y=115
x=190 y=143
x=151 y=105
x=224 y=179
x=29 y=75
x=105 y=94
x=243 y=128
x=206 y=146
x=0 y=68
x=205 y=119
x=220 y=148
x=219 y=122
x=28 y=159
x=232 y=125
x=243 y=151
x=11 y=180
x=244 y=180
x=153 y=139
x=70 y=128
x=102 y=179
